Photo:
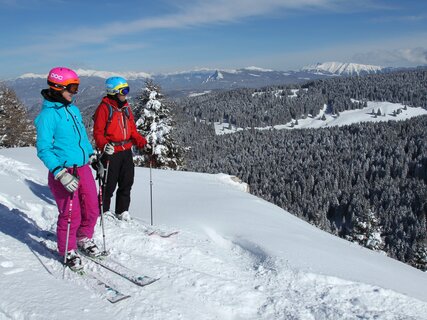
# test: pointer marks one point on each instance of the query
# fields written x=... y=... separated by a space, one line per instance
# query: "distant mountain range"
x=343 y=69
x=185 y=83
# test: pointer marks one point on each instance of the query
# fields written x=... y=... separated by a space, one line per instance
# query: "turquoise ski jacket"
x=62 y=141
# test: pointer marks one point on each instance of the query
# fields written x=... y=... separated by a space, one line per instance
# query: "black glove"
x=99 y=169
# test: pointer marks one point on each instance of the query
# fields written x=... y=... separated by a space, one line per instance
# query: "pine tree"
x=155 y=123
x=419 y=260
x=16 y=130
x=367 y=231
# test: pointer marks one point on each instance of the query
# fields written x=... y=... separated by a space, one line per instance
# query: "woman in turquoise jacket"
x=62 y=144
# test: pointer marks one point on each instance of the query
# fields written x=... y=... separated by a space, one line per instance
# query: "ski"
x=110 y=293
x=98 y=285
x=148 y=230
x=162 y=234
x=121 y=270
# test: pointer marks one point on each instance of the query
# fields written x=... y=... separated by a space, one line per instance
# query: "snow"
x=277 y=93
x=94 y=73
x=216 y=76
x=341 y=68
x=345 y=117
x=197 y=94
x=253 y=68
x=235 y=257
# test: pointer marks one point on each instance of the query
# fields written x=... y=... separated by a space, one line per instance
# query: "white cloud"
x=416 y=55
x=191 y=14
x=411 y=56
x=195 y=13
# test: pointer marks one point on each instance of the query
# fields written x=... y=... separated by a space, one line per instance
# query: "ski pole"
x=70 y=209
x=106 y=172
x=101 y=208
x=105 y=184
x=151 y=186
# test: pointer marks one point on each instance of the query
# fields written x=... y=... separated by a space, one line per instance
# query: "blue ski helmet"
x=115 y=85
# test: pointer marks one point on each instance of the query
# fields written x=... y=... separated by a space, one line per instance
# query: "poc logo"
x=56 y=76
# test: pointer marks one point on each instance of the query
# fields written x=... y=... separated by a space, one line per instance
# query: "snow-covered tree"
x=367 y=231
x=16 y=130
x=155 y=123
x=419 y=260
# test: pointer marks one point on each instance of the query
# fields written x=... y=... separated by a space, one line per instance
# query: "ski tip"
x=118 y=298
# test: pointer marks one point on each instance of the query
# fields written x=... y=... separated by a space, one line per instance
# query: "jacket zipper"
x=78 y=131
x=122 y=124
x=125 y=127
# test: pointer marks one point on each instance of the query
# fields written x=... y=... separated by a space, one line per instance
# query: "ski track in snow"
x=201 y=277
x=248 y=283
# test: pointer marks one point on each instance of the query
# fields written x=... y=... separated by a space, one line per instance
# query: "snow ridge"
x=94 y=73
x=340 y=68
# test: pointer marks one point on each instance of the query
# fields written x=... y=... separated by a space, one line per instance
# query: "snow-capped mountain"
x=340 y=68
x=94 y=73
x=184 y=83
x=29 y=85
x=216 y=76
x=236 y=256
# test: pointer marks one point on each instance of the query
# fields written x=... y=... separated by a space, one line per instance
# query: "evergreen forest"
x=364 y=182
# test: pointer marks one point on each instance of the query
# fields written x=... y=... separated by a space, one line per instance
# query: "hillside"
x=346 y=161
x=235 y=257
x=373 y=112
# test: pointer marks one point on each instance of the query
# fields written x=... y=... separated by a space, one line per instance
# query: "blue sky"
x=168 y=36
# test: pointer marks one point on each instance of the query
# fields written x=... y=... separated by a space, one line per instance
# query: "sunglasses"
x=72 y=88
x=123 y=91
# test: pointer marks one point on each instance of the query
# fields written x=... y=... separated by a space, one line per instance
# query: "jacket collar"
x=54 y=99
x=113 y=102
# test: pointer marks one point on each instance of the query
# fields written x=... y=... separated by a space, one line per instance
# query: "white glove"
x=70 y=182
x=109 y=149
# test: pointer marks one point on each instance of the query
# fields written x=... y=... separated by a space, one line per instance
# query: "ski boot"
x=73 y=261
x=124 y=216
x=88 y=247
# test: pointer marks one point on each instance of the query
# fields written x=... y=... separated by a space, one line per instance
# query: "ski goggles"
x=123 y=91
x=72 y=88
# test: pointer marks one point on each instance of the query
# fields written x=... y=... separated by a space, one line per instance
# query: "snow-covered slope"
x=235 y=257
x=389 y=112
x=340 y=68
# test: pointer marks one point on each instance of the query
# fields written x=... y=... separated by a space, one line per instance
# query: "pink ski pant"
x=85 y=210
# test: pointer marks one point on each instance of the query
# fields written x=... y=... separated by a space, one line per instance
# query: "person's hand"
x=70 y=182
x=99 y=168
x=93 y=158
x=109 y=149
x=148 y=147
x=97 y=165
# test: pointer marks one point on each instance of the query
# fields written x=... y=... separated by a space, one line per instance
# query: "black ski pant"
x=121 y=171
